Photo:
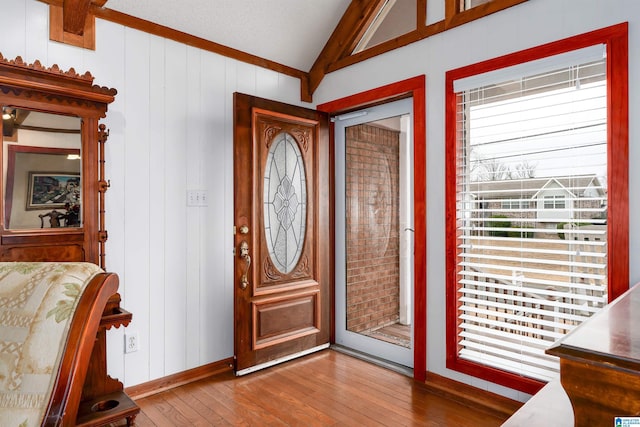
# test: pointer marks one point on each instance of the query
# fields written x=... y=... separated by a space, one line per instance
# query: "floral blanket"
x=37 y=302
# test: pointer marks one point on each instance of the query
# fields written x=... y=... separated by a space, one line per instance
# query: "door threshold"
x=280 y=360
x=392 y=366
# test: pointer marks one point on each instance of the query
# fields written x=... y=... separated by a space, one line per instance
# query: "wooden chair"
x=70 y=298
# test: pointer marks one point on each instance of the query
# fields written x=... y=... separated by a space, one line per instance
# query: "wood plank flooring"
x=323 y=389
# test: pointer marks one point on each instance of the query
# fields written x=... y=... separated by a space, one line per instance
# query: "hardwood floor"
x=323 y=389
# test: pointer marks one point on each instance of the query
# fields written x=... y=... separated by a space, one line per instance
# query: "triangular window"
x=396 y=18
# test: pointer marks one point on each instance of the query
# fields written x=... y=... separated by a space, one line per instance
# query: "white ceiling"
x=290 y=32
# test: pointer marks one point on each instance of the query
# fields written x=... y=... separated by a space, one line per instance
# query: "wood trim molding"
x=181 y=378
x=618 y=155
x=451 y=9
x=421 y=13
x=487 y=401
x=463 y=16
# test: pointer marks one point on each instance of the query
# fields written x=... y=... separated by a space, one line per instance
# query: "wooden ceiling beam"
x=191 y=40
x=74 y=15
x=352 y=26
x=454 y=18
x=71 y=22
x=66 y=17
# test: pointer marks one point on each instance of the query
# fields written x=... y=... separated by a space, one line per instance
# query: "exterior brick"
x=372 y=189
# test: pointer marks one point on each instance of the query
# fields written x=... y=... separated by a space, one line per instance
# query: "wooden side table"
x=600 y=363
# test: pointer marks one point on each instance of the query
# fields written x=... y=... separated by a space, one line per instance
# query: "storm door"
x=374 y=232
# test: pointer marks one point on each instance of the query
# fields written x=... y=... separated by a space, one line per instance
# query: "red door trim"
x=414 y=87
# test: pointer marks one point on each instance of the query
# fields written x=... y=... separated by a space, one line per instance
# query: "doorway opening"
x=374 y=231
x=412 y=88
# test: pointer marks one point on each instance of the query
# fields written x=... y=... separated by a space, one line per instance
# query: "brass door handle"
x=244 y=253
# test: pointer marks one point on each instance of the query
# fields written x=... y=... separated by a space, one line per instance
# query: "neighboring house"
x=542 y=202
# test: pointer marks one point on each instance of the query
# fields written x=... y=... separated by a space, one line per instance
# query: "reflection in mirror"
x=42 y=169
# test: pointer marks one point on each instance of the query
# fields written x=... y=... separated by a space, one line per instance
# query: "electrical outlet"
x=130 y=342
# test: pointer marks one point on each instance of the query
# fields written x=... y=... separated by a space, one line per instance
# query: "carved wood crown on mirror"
x=53 y=212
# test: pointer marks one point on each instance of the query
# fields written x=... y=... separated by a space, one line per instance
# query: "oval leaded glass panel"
x=285 y=202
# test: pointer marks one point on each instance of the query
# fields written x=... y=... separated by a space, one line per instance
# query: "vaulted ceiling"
x=290 y=32
x=303 y=38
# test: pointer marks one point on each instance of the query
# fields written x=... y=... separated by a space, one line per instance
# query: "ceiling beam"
x=71 y=22
x=66 y=16
x=191 y=40
x=75 y=13
x=424 y=31
x=352 y=26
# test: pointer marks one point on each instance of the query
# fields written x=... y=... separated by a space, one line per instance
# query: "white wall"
x=171 y=129
x=520 y=27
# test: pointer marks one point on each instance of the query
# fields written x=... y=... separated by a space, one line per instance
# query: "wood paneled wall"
x=171 y=131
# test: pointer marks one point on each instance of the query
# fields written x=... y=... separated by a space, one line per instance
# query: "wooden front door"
x=283 y=252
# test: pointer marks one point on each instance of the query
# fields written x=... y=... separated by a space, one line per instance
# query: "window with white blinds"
x=531 y=211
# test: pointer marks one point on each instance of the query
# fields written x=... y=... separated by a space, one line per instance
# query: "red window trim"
x=616 y=40
x=414 y=87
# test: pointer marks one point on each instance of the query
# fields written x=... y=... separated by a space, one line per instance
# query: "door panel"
x=281 y=319
x=283 y=263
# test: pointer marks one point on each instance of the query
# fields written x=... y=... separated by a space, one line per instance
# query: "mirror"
x=52 y=180
x=42 y=169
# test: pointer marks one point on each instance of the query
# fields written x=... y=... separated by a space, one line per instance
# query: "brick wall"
x=372 y=180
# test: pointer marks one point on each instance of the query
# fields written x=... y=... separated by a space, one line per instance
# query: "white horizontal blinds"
x=531 y=211
x=539 y=66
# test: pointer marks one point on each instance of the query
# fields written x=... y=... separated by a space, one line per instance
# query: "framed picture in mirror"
x=53 y=190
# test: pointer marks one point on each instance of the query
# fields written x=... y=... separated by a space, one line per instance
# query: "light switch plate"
x=197 y=198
